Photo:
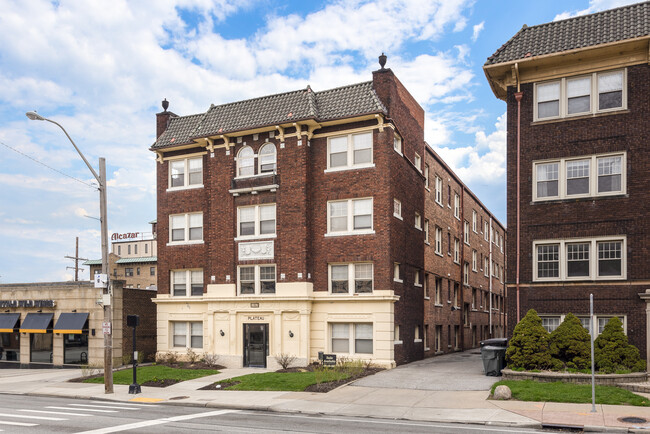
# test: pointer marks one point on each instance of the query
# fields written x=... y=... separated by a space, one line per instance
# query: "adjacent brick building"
x=295 y=224
x=578 y=97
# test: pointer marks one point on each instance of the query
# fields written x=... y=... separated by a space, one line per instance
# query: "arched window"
x=267 y=158
x=246 y=162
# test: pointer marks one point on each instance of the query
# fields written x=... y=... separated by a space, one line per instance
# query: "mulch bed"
x=159 y=383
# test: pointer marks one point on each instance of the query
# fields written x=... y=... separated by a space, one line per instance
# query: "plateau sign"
x=329 y=359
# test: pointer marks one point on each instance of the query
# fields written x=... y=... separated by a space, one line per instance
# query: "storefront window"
x=10 y=347
x=40 y=347
x=75 y=349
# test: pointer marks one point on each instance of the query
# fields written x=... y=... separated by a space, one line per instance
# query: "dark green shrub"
x=613 y=352
x=570 y=344
x=529 y=346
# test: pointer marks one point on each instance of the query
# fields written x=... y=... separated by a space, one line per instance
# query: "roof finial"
x=165 y=104
x=382 y=61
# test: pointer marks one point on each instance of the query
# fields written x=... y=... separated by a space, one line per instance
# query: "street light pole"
x=108 y=309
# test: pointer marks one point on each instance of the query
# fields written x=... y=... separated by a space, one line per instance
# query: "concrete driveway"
x=456 y=371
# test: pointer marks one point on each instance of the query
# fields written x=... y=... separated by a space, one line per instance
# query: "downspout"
x=490 y=275
x=461 y=205
x=518 y=95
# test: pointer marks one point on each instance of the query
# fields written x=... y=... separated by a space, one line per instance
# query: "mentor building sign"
x=27 y=303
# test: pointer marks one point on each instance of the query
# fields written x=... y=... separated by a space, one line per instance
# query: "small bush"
x=192 y=356
x=613 y=352
x=569 y=345
x=529 y=346
x=90 y=369
x=285 y=360
x=211 y=359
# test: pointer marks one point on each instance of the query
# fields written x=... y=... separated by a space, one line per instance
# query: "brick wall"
x=139 y=302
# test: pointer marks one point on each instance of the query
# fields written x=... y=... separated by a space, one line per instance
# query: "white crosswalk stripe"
x=6 y=422
x=25 y=416
x=82 y=409
x=61 y=413
x=130 y=404
x=104 y=406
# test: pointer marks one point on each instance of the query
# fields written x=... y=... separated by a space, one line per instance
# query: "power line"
x=49 y=167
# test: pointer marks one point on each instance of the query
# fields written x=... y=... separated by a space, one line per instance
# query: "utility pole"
x=76 y=261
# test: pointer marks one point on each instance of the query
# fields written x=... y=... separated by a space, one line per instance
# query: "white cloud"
x=594 y=6
x=476 y=30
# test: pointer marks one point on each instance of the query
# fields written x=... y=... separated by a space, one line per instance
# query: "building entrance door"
x=256 y=345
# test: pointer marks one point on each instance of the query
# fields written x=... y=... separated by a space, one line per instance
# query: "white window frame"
x=486 y=267
x=397 y=143
x=438 y=241
x=457 y=206
x=474 y=261
x=186 y=228
x=426 y=231
x=275 y=159
x=593 y=258
x=466 y=232
x=417 y=162
x=397 y=209
x=258 y=281
x=466 y=273
x=593 y=176
x=350 y=218
x=597 y=317
x=474 y=221
x=417 y=281
x=418 y=220
x=189 y=281
x=486 y=231
x=239 y=159
x=351 y=280
x=186 y=173
x=438 y=291
x=351 y=338
x=350 y=153
x=438 y=190
x=257 y=222
x=397 y=275
x=456 y=250
x=563 y=96
x=188 y=334
x=426 y=176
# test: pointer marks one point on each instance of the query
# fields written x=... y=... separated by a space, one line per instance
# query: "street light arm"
x=75 y=146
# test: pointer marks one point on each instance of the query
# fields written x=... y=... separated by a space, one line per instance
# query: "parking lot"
x=456 y=371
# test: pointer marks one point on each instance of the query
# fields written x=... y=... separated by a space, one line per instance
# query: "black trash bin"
x=494 y=358
x=498 y=342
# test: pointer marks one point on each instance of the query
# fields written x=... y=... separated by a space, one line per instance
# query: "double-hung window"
x=587 y=176
x=426 y=176
x=418 y=220
x=187 y=282
x=397 y=144
x=438 y=190
x=267 y=159
x=256 y=279
x=474 y=260
x=351 y=338
x=349 y=151
x=438 y=245
x=466 y=232
x=397 y=209
x=426 y=231
x=474 y=222
x=186 y=173
x=256 y=221
x=587 y=94
x=486 y=231
x=466 y=273
x=186 y=228
x=457 y=206
x=456 y=250
x=600 y=258
x=187 y=334
x=351 y=216
x=486 y=267
x=354 y=278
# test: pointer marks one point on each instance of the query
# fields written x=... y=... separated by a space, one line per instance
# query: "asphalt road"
x=29 y=414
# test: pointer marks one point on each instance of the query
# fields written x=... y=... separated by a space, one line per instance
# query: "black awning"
x=71 y=323
x=8 y=322
x=37 y=323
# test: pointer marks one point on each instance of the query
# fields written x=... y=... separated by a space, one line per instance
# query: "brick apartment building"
x=578 y=98
x=295 y=223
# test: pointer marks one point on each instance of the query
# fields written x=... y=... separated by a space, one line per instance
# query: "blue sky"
x=101 y=68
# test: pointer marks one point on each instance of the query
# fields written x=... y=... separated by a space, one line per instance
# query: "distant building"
x=306 y=222
x=578 y=101
x=133 y=259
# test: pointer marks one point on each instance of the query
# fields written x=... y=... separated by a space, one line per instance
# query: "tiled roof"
x=613 y=25
x=93 y=262
x=346 y=101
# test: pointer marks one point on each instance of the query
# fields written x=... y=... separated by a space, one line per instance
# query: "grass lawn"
x=529 y=390
x=149 y=373
x=284 y=381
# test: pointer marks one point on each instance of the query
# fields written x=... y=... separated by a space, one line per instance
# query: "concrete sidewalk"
x=350 y=400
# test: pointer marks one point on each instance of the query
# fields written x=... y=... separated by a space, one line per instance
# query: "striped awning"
x=73 y=323
x=8 y=322
x=37 y=323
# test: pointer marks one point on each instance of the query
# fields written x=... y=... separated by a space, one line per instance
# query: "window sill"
x=257 y=175
x=398 y=280
x=418 y=285
x=398 y=342
x=438 y=305
x=427 y=243
x=184 y=243
x=427 y=349
x=419 y=228
x=609 y=112
x=398 y=216
x=427 y=298
x=345 y=234
x=256 y=238
x=427 y=189
x=399 y=152
x=417 y=341
x=581 y=198
x=344 y=168
x=189 y=187
x=439 y=203
x=439 y=254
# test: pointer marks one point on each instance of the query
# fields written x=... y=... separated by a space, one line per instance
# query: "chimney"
x=162 y=118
